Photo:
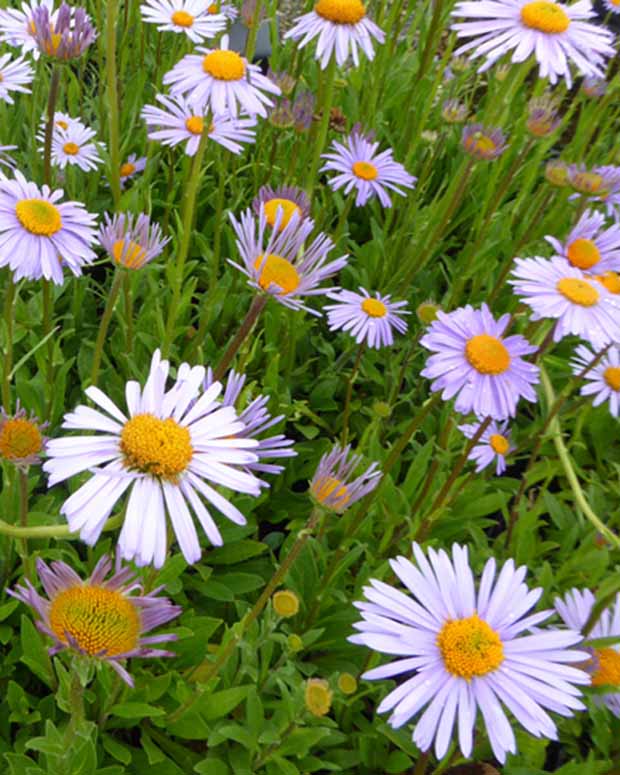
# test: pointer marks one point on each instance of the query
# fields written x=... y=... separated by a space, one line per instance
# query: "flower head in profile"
x=542 y=119
x=342 y=28
x=369 y=319
x=289 y=199
x=131 y=241
x=600 y=184
x=131 y=167
x=493 y=445
x=601 y=380
x=483 y=143
x=74 y=146
x=21 y=439
x=221 y=81
x=303 y=111
x=168 y=451
x=361 y=169
x=554 y=33
x=63 y=35
x=15 y=76
x=227 y=10
x=17 y=24
x=604 y=665
x=282 y=264
x=557 y=173
x=454 y=112
x=475 y=362
x=581 y=306
x=334 y=485
x=592 y=86
x=40 y=235
x=102 y=618
x=590 y=246
x=186 y=17
x=466 y=651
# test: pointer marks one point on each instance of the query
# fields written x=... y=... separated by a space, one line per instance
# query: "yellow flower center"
x=318 y=697
x=38 y=216
x=285 y=603
x=612 y=377
x=545 y=16
x=365 y=170
x=97 y=619
x=610 y=280
x=578 y=291
x=129 y=254
x=330 y=486
x=480 y=144
x=224 y=65
x=347 y=683
x=71 y=148
x=127 y=169
x=182 y=19
x=499 y=444
x=341 y=11
x=19 y=438
x=62 y=124
x=277 y=271
x=587 y=182
x=608 y=670
x=487 y=354
x=583 y=253
x=158 y=447
x=51 y=47
x=195 y=125
x=469 y=647
x=374 y=308
x=289 y=208
x=213 y=8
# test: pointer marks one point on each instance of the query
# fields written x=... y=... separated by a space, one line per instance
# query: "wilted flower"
x=557 y=173
x=303 y=111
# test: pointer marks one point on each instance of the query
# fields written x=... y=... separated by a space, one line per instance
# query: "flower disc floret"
x=38 y=216
x=487 y=354
x=374 y=308
x=129 y=254
x=277 y=271
x=182 y=19
x=580 y=292
x=288 y=207
x=328 y=486
x=161 y=448
x=224 y=65
x=583 y=253
x=19 y=438
x=365 y=170
x=499 y=443
x=610 y=281
x=611 y=375
x=469 y=647
x=195 y=125
x=607 y=671
x=127 y=169
x=71 y=148
x=545 y=16
x=341 y=11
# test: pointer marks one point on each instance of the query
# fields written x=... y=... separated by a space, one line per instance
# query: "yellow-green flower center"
x=583 y=253
x=182 y=19
x=499 y=444
x=469 y=647
x=224 y=65
x=341 y=11
x=19 y=438
x=38 y=216
x=318 y=697
x=289 y=208
x=487 y=354
x=285 y=603
x=577 y=291
x=545 y=16
x=277 y=271
x=374 y=308
x=158 y=447
x=612 y=377
x=365 y=170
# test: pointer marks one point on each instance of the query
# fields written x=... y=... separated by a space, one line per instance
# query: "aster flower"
x=493 y=444
x=483 y=143
x=542 y=117
x=16 y=26
x=281 y=115
x=188 y=17
x=454 y=112
x=333 y=485
x=131 y=241
x=303 y=111
x=222 y=82
x=612 y=5
x=554 y=33
x=469 y=651
x=63 y=35
x=39 y=234
x=99 y=618
x=281 y=266
x=369 y=319
x=131 y=168
x=555 y=289
x=601 y=184
x=342 y=28
x=359 y=167
x=595 y=87
x=166 y=451
x=61 y=121
x=73 y=146
x=557 y=173
x=183 y=122
x=15 y=75
x=474 y=362
x=289 y=199
x=610 y=280
x=21 y=440
x=283 y=80
x=602 y=380
x=227 y=10
x=589 y=246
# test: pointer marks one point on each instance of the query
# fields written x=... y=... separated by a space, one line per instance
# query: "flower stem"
x=9 y=313
x=104 y=325
x=250 y=45
x=48 y=531
x=48 y=318
x=23 y=521
x=217 y=225
x=347 y=403
x=253 y=313
x=128 y=303
x=49 y=125
x=325 y=111
x=113 y=123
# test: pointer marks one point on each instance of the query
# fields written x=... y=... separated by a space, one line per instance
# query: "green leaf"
x=116 y=749
x=220 y=704
x=34 y=653
x=235 y=552
x=212 y=767
x=136 y=710
x=153 y=754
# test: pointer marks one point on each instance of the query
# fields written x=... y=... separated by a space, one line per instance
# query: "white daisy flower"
x=601 y=381
x=73 y=146
x=188 y=17
x=493 y=444
x=17 y=26
x=370 y=319
x=15 y=75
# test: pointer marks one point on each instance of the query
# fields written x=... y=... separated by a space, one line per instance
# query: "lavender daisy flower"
x=39 y=235
x=359 y=167
x=289 y=199
x=131 y=168
x=333 y=485
x=601 y=184
x=555 y=289
x=64 y=35
x=221 y=81
x=99 y=618
x=494 y=444
x=172 y=444
x=227 y=10
x=16 y=26
x=601 y=381
x=21 y=440
x=612 y=5
x=542 y=117
x=604 y=666
x=15 y=75
x=589 y=246
x=281 y=266
x=554 y=33
x=469 y=650
x=131 y=241
x=483 y=143
x=342 y=28
x=474 y=362
x=188 y=17
x=369 y=319
x=73 y=146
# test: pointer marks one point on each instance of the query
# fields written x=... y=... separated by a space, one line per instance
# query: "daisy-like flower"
x=64 y=34
x=39 y=234
x=595 y=87
x=17 y=25
x=131 y=241
x=601 y=184
x=74 y=146
x=542 y=117
x=166 y=451
x=183 y=122
x=303 y=111
x=454 y=112
x=227 y=10
x=289 y=199
x=483 y=143
x=99 y=618
x=280 y=265
x=552 y=288
x=15 y=75
x=557 y=173
x=188 y=17
x=21 y=440
x=611 y=281
x=612 y=5
x=554 y=33
x=469 y=650
x=131 y=168
x=360 y=167
x=283 y=80
x=493 y=445
x=604 y=666
x=589 y=246
x=61 y=121
x=601 y=381
x=221 y=82
x=369 y=319
x=342 y=28
x=334 y=486
x=474 y=362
